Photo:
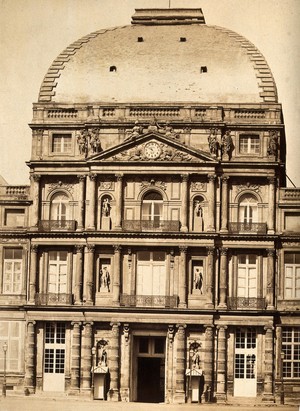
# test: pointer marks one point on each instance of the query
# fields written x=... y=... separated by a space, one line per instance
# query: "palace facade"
x=155 y=256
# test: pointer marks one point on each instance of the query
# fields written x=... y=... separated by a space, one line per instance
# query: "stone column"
x=35 y=189
x=169 y=363
x=117 y=274
x=125 y=372
x=182 y=286
x=86 y=356
x=78 y=275
x=271 y=214
x=119 y=201
x=224 y=204
x=223 y=278
x=90 y=211
x=208 y=356
x=89 y=275
x=75 y=360
x=211 y=202
x=81 y=179
x=270 y=279
x=210 y=277
x=184 y=202
x=33 y=273
x=268 y=395
x=221 y=364
x=114 y=362
x=30 y=362
x=179 y=397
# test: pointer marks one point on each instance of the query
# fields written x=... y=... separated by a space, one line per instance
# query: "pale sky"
x=34 y=32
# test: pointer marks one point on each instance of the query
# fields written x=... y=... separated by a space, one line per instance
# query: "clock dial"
x=152 y=150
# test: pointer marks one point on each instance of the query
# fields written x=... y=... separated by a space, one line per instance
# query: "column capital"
x=183 y=249
x=119 y=177
x=81 y=177
x=210 y=250
x=92 y=176
x=34 y=248
x=126 y=330
x=30 y=322
x=117 y=248
x=185 y=177
x=271 y=252
x=90 y=248
x=35 y=177
x=222 y=327
x=224 y=179
x=224 y=251
x=211 y=177
x=79 y=248
x=181 y=326
x=268 y=327
x=76 y=323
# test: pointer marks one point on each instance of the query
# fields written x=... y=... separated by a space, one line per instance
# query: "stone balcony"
x=153 y=301
x=151 y=226
x=53 y=299
x=246 y=303
x=247 y=228
x=56 y=225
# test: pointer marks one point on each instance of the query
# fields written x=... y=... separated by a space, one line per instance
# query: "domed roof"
x=180 y=59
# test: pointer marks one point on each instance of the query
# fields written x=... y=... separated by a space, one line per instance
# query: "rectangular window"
x=249 y=144
x=62 y=143
x=247 y=276
x=291 y=350
x=12 y=271
x=12 y=333
x=14 y=217
x=292 y=276
x=55 y=338
x=57 y=275
x=151 y=273
x=245 y=353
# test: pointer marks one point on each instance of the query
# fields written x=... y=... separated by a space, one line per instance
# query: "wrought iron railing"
x=57 y=225
x=250 y=303
x=53 y=299
x=256 y=228
x=166 y=301
x=147 y=225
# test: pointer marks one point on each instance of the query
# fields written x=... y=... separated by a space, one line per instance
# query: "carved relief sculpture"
x=198 y=277
x=198 y=215
x=273 y=144
x=213 y=143
x=89 y=141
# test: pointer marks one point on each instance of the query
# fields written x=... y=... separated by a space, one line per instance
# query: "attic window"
x=182 y=39
x=113 y=68
x=140 y=39
x=203 y=69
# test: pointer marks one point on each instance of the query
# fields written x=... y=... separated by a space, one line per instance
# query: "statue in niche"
x=213 y=143
x=101 y=354
x=226 y=144
x=198 y=279
x=106 y=207
x=198 y=216
x=273 y=144
x=104 y=279
x=195 y=355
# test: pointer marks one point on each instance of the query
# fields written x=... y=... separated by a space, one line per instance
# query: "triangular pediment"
x=153 y=147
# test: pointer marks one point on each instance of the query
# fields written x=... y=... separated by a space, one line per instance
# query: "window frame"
x=12 y=342
x=294 y=266
x=13 y=274
x=63 y=144
x=67 y=275
x=249 y=151
x=288 y=348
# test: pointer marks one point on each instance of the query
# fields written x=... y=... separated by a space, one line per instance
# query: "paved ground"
x=70 y=404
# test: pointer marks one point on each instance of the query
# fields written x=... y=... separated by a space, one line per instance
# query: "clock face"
x=152 y=150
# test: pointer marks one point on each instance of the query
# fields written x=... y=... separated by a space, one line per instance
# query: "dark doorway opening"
x=150 y=386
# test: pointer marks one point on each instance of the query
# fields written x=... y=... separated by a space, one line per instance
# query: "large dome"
x=178 y=60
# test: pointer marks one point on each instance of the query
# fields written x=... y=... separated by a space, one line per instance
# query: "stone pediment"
x=153 y=147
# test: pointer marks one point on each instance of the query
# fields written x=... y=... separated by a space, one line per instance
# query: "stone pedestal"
x=105 y=223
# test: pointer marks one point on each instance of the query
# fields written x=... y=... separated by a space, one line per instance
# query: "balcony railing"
x=248 y=303
x=53 y=299
x=154 y=301
x=147 y=225
x=55 y=225
x=255 y=228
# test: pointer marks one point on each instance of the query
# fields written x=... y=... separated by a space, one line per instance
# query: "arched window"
x=248 y=209
x=59 y=207
x=152 y=206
